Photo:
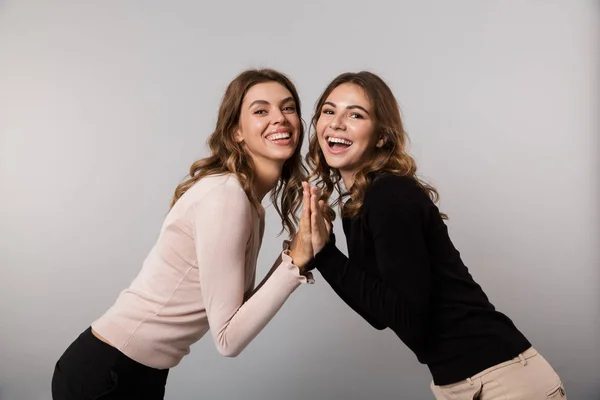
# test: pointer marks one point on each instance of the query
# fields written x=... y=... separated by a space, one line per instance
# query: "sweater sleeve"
x=400 y=296
x=223 y=222
x=330 y=255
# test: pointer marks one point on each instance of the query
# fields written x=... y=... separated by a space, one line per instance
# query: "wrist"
x=297 y=260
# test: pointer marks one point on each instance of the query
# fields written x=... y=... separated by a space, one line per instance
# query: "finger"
x=314 y=214
x=303 y=194
x=321 y=223
x=305 y=218
x=308 y=196
x=320 y=209
x=314 y=208
x=307 y=203
x=322 y=214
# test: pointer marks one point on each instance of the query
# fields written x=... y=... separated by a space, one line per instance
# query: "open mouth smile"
x=337 y=145
x=281 y=137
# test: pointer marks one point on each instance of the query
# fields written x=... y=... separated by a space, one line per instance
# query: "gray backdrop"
x=104 y=105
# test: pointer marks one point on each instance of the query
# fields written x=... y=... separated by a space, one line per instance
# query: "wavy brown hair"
x=229 y=156
x=392 y=157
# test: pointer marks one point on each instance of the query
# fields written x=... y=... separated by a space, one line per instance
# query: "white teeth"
x=339 y=140
x=278 y=136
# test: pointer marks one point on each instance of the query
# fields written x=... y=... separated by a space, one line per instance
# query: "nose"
x=278 y=117
x=337 y=123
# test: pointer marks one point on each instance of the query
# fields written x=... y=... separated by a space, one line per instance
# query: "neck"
x=348 y=178
x=267 y=175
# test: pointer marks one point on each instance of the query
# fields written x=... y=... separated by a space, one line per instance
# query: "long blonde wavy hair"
x=392 y=157
x=229 y=156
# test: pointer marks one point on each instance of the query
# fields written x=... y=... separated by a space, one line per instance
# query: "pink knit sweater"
x=200 y=274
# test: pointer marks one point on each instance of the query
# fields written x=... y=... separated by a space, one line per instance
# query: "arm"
x=223 y=222
x=286 y=251
x=400 y=297
x=333 y=257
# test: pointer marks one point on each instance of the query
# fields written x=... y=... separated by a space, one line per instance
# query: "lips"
x=280 y=136
x=337 y=144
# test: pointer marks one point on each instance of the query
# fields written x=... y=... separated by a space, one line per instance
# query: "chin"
x=334 y=162
x=338 y=166
x=282 y=156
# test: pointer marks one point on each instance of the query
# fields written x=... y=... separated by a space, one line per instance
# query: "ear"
x=381 y=142
x=237 y=135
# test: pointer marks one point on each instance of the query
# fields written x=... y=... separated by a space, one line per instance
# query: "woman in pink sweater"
x=200 y=274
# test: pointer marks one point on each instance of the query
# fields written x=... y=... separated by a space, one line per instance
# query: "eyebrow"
x=266 y=103
x=350 y=107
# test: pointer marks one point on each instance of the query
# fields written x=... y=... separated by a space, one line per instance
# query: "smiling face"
x=346 y=129
x=269 y=124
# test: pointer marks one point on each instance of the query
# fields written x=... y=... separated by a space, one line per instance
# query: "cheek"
x=294 y=120
x=321 y=125
x=320 y=132
x=254 y=127
x=365 y=135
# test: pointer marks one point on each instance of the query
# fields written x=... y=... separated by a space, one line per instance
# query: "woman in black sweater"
x=403 y=271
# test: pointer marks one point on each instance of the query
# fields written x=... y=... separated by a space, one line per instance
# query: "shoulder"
x=225 y=186
x=390 y=189
x=217 y=194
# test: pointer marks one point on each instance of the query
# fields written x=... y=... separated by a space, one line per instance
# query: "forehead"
x=349 y=93
x=268 y=91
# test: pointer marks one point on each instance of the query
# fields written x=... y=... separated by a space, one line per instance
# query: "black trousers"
x=90 y=369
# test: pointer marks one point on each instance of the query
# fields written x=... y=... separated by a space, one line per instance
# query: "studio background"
x=104 y=106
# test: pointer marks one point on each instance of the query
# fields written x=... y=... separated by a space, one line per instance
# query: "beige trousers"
x=526 y=377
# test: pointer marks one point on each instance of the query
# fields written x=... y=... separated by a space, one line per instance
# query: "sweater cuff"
x=288 y=264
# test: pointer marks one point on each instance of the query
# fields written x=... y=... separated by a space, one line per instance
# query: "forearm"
x=378 y=303
x=328 y=261
x=253 y=315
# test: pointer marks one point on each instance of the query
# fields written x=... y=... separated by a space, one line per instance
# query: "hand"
x=301 y=250
x=320 y=228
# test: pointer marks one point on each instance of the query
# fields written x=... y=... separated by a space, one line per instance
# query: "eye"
x=327 y=111
x=260 y=111
x=289 y=109
x=356 y=115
